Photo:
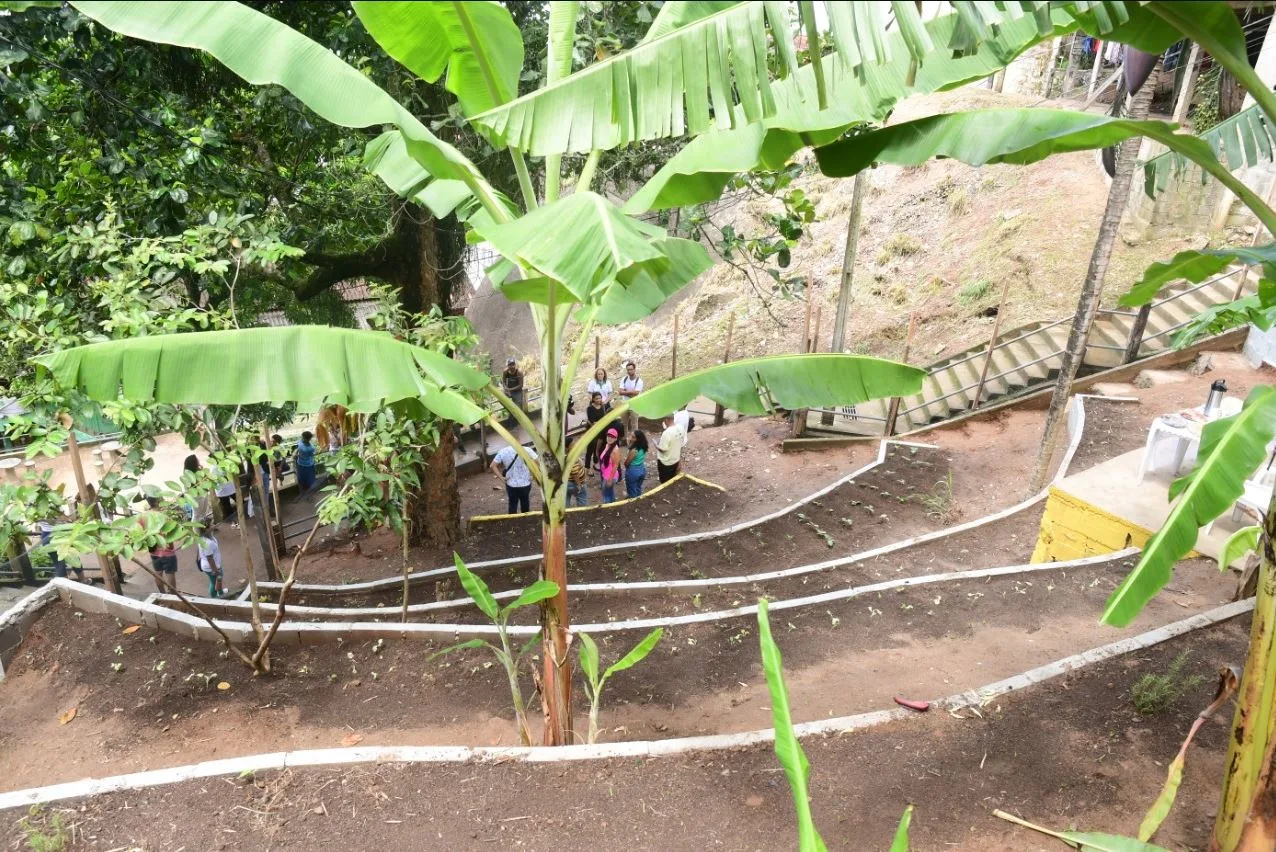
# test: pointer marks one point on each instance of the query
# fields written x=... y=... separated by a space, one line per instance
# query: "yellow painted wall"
x=1071 y=528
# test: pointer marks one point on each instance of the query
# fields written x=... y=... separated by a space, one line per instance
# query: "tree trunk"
x=1091 y=290
x=1247 y=779
x=1135 y=340
x=556 y=680
x=435 y=513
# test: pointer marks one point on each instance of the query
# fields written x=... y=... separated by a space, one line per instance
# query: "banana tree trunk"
x=556 y=679
x=1247 y=813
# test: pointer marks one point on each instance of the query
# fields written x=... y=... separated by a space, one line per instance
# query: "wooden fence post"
x=815 y=340
x=597 y=352
x=992 y=343
x=86 y=499
x=892 y=413
x=673 y=364
x=718 y=410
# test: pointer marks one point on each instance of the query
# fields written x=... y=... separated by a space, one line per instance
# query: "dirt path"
x=1069 y=752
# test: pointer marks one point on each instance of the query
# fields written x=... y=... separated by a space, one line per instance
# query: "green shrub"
x=1155 y=693
x=973 y=292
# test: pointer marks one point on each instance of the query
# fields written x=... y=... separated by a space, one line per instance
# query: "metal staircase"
x=1029 y=357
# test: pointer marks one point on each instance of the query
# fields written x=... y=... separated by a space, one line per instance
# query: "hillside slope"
x=938 y=241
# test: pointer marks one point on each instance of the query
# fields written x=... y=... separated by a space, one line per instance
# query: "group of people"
x=619 y=455
x=208 y=557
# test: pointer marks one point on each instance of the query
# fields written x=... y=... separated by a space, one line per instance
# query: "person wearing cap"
x=512 y=383
x=610 y=469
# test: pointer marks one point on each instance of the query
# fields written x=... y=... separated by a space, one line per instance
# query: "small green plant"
x=974 y=291
x=482 y=597
x=44 y=831
x=1155 y=693
x=938 y=502
x=594 y=684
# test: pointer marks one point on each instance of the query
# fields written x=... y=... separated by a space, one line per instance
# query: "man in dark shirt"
x=512 y=383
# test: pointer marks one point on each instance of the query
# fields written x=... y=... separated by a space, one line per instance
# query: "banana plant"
x=787 y=747
x=500 y=615
x=594 y=684
x=580 y=257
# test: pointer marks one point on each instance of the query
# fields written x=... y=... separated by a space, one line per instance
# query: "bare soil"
x=1070 y=752
x=163 y=705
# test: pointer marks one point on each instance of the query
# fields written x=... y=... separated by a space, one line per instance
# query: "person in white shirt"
x=630 y=387
x=669 y=450
x=513 y=471
x=685 y=422
x=209 y=559
x=600 y=384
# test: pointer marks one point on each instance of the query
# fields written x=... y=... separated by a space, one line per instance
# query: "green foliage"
x=754 y=385
x=973 y=291
x=1206 y=100
x=43 y=831
x=509 y=659
x=1239 y=543
x=938 y=502
x=1156 y=693
x=360 y=370
x=1195 y=265
x=25 y=503
x=594 y=683
x=1232 y=448
x=787 y=748
x=900 y=842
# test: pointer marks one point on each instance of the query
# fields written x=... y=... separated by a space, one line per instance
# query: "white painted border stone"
x=542 y=754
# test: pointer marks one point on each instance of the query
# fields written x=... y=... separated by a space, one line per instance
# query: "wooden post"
x=992 y=343
x=1050 y=67
x=673 y=364
x=893 y=413
x=718 y=411
x=815 y=340
x=597 y=353
x=806 y=327
x=86 y=499
x=272 y=497
x=1189 y=80
x=1098 y=63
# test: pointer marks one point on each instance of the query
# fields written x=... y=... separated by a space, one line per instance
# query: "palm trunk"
x=1246 y=815
x=1091 y=290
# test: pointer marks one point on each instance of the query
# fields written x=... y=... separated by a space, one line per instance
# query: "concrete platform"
x=1106 y=508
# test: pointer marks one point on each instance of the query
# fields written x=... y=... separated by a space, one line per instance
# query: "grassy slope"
x=972 y=229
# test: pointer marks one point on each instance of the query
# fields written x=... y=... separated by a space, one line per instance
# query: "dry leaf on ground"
x=68 y=715
x=132 y=629
x=352 y=739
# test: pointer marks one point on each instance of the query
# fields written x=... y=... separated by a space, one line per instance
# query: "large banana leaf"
x=582 y=241
x=755 y=385
x=1017 y=136
x=702 y=169
x=675 y=16
x=262 y=50
x=977 y=137
x=1245 y=139
x=309 y=365
x=637 y=295
x=1196 y=265
x=387 y=157
x=1216 y=319
x=787 y=748
x=476 y=42
x=703 y=70
x=648 y=289
x=1231 y=450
